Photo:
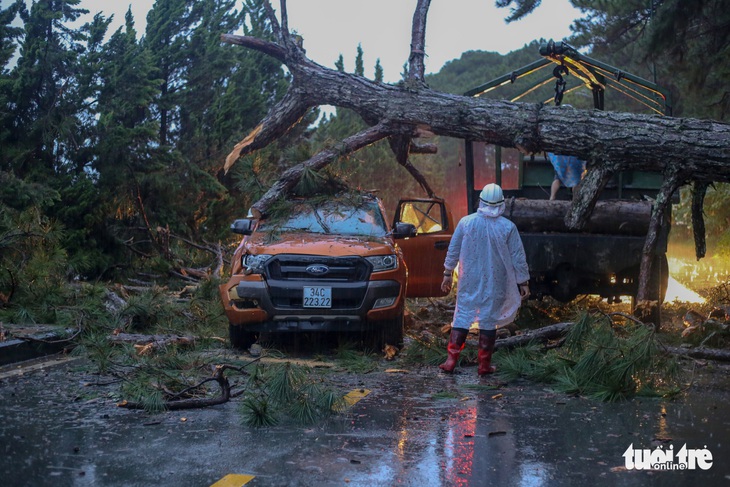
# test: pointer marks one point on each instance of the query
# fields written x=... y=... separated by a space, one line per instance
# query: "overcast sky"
x=382 y=27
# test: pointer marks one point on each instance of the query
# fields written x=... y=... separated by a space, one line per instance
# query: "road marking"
x=355 y=395
x=233 y=480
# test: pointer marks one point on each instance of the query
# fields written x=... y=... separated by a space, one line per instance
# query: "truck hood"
x=306 y=243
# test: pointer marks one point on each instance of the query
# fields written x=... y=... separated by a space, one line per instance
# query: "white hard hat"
x=492 y=195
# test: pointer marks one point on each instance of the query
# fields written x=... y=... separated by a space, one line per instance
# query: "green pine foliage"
x=353 y=359
x=33 y=267
x=280 y=392
x=598 y=359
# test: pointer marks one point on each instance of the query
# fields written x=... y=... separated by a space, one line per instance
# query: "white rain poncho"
x=491 y=259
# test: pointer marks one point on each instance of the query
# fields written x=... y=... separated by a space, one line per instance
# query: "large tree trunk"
x=616 y=217
x=609 y=141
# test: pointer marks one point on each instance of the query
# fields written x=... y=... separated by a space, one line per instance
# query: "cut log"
x=544 y=334
x=615 y=217
x=701 y=353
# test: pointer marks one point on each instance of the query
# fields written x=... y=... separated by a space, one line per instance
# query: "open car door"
x=425 y=252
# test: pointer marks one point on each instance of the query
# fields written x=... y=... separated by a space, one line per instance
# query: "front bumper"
x=268 y=306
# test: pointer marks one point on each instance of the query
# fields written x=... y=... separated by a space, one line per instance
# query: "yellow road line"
x=233 y=480
x=355 y=395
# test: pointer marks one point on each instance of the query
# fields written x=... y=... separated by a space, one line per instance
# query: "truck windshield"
x=334 y=218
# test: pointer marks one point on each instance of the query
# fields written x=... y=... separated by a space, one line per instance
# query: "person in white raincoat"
x=493 y=277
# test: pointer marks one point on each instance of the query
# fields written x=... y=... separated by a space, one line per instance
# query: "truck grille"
x=348 y=277
x=340 y=269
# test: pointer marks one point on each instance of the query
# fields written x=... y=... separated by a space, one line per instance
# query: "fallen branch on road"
x=544 y=334
x=146 y=344
x=226 y=392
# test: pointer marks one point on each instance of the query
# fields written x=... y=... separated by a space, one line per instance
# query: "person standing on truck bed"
x=493 y=277
x=569 y=170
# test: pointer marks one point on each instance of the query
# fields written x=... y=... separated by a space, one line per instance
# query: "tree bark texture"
x=609 y=141
x=550 y=332
x=616 y=217
x=646 y=307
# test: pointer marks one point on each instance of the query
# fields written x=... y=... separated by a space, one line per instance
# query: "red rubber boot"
x=486 y=347
x=455 y=346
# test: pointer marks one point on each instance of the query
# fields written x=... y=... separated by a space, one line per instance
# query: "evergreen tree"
x=41 y=101
x=378 y=71
x=683 y=46
x=9 y=36
x=169 y=26
x=9 y=33
x=226 y=92
x=359 y=65
x=127 y=157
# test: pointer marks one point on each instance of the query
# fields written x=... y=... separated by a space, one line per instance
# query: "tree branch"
x=260 y=45
x=276 y=123
x=699 y=191
x=416 y=60
x=291 y=176
x=274 y=21
x=586 y=198
x=673 y=179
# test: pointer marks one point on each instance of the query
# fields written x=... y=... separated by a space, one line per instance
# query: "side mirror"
x=243 y=226
x=404 y=230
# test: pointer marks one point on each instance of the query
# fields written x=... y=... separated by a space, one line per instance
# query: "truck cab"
x=335 y=264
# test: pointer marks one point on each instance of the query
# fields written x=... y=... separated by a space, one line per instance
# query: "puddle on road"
x=422 y=428
x=530 y=436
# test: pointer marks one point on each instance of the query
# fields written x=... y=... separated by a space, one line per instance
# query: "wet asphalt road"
x=402 y=433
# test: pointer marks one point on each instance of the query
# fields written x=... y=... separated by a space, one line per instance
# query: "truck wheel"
x=240 y=338
x=386 y=331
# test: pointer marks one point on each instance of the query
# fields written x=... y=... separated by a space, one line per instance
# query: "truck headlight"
x=254 y=264
x=383 y=262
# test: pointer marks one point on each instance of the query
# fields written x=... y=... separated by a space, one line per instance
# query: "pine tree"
x=169 y=25
x=9 y=33
x=41 y=138
x=9 y=36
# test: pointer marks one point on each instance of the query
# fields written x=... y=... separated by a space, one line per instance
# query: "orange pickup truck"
x=335 y=264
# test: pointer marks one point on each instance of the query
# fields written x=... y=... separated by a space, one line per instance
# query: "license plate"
x=317 y=297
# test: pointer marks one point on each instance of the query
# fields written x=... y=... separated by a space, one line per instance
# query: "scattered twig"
x=624 y=315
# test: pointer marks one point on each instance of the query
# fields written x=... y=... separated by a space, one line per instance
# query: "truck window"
x=332 y=218
x=424 y=215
